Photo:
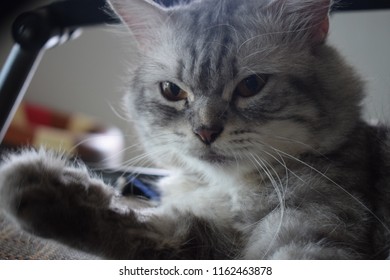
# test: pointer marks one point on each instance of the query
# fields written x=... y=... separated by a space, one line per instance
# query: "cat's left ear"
x=307 y=16
x=142 y=17
x=320 y=27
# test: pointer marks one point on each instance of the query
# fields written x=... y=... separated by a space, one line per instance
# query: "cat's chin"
x=214 y=158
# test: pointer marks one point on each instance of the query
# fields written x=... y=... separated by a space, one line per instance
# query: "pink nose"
x=208 y=135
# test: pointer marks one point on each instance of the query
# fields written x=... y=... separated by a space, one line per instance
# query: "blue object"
x=136 y=186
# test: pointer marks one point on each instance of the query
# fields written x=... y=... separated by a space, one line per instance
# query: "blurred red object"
x=74 y=134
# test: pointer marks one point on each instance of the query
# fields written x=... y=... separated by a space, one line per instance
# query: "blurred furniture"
x=73 y=134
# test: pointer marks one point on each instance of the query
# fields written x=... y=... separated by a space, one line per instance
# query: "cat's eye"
x=172 y=92
x=251 y=85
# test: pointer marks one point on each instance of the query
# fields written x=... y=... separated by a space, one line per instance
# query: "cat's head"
x=231 y=83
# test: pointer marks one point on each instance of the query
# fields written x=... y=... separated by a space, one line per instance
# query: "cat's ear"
x=142 y=17
x=307 y=16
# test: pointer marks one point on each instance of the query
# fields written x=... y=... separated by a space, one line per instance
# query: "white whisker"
x=280 y=194
x=337 y=185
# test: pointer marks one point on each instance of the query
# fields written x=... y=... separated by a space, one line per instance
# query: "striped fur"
x=289 y=172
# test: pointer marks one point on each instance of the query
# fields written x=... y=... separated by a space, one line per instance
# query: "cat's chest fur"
x=237 y=199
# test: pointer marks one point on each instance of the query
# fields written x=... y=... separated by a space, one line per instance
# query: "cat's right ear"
x=143 y=18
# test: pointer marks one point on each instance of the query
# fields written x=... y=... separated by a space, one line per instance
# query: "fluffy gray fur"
x=289 y=172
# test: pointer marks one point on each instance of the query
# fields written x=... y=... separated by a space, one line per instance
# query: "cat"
x=258 y=120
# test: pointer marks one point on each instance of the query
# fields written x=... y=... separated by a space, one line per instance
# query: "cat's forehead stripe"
x=208 y=63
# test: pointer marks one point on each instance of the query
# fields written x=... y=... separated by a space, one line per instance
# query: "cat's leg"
x=51 y=198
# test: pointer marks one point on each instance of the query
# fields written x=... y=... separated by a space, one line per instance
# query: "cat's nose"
x=208 y=134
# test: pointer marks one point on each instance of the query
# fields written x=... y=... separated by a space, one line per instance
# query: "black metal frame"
x=354 y=5
x=33 y=33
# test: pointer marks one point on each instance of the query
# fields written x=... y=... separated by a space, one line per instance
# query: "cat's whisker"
x=283 y=187
x=137 y=159
x=143 y=160
x=151 y=154
x=284 y=164
x=134 y=147
x=276 y=184
x=264 y=169
x=337 y=185
x=90 y=138
x=291 y=140
x=122 y=115
x=280 y=161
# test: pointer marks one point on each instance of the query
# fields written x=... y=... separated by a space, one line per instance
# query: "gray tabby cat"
x=259 y=121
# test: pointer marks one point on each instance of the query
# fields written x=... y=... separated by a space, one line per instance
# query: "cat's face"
x=228 y=83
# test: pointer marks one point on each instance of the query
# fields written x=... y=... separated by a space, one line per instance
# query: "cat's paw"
x=43 y=192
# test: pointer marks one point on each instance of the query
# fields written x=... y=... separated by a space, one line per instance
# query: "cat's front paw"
x=45 y=193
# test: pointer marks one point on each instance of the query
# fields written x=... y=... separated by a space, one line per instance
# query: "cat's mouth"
x=215 y=158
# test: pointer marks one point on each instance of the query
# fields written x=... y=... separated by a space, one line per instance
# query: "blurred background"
x=85 y=77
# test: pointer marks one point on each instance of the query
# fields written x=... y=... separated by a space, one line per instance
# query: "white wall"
x=83 y=75
x=364 y=39
x=86 y=74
